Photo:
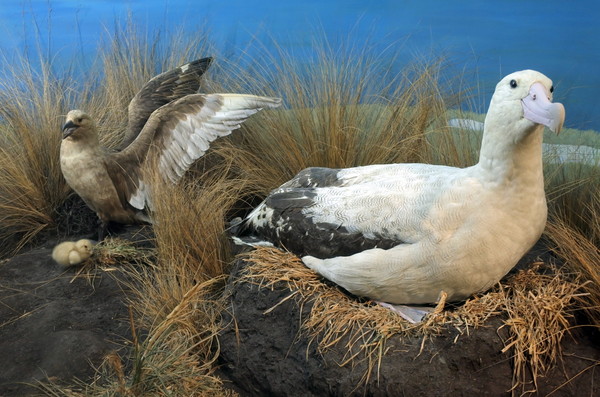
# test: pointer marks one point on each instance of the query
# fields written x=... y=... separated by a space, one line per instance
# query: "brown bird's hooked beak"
x=68 y=129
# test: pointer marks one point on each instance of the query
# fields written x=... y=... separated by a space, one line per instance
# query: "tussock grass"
x=175 y=297
x=573 y=228
x=175 y=358
x=539 y=309
x=34 y=98
x=582 y=256
x=176 y=301
x=342 y=108
x=536 y=308
x=31 y=184
x=192 y=246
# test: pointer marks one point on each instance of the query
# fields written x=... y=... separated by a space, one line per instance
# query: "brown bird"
x=178 y=129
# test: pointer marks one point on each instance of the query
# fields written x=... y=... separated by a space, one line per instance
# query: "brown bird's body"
x=164 y=116
x=89 y=169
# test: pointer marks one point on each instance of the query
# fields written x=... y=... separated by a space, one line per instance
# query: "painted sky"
x=488 y=39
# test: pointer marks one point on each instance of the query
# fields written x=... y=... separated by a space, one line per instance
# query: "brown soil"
x=54 y=326
x=266 y=352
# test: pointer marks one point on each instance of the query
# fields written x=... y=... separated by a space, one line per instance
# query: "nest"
x=536 y=307
x=110 y=255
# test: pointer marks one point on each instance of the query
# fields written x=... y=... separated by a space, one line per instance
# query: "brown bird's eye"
x=79 y=120
x=513 y=84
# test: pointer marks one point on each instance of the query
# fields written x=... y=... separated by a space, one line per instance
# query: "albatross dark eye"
x=551 y=89
x=79 y=120
x=513 y=84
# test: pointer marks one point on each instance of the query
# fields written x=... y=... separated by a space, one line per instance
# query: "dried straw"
x=537 y=307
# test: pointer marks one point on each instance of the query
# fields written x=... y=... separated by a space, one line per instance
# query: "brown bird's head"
x=77 y=123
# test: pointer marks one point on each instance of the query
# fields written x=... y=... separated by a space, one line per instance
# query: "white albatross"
x=408 y=233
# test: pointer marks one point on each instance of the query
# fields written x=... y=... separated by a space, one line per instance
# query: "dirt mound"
x=267 y=350
x=54 y=325
x=57 y=326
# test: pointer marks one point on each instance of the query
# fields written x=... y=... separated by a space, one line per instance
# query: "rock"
x=268 y=354
x=55 y=327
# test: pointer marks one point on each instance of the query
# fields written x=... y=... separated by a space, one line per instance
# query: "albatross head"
x=522 y=102
x=78 y=123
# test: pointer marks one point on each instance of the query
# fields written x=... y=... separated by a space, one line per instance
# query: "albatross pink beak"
x=538 y=108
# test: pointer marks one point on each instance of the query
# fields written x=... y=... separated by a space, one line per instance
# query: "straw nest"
x=535 y=307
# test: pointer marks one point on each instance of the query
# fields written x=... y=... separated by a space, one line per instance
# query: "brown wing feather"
x=181 y=132
x=125 y=175
x=160 y=90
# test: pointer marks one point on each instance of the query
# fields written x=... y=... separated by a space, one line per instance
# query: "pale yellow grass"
x=34 y=102
x=535 y=308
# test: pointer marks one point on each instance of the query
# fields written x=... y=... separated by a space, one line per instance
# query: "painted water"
x=484 y=40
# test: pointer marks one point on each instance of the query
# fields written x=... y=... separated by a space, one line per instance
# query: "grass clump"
x=34 y=99
x=175 y=298
x=342 y=108
x=540 y=313
x=174 y=358
x=177 y=301
x=536 y=308
x=31 y=183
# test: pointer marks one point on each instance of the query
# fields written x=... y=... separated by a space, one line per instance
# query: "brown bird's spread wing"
x=160 y=90
x=181 y=132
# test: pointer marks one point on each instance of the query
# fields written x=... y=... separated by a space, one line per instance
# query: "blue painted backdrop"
x=488 y=38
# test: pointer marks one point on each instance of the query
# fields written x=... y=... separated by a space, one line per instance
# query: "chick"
x=70 y=253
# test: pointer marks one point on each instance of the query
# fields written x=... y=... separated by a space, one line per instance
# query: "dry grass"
x=582 y=256
x=334 y=318
x=176 y=301
x=33 y=102
x=174 y=359
x=343 y=108
x=573 y=228
x=31 y=184
x=113 y=254
x=174 y=298
x=537 y=311
x=191 y=242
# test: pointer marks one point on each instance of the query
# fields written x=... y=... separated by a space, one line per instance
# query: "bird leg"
x=412 y=314
x=102 y=229
x=416 y=314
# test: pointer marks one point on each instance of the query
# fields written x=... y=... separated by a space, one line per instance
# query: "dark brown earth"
x=266 y=354
x=54 y=326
